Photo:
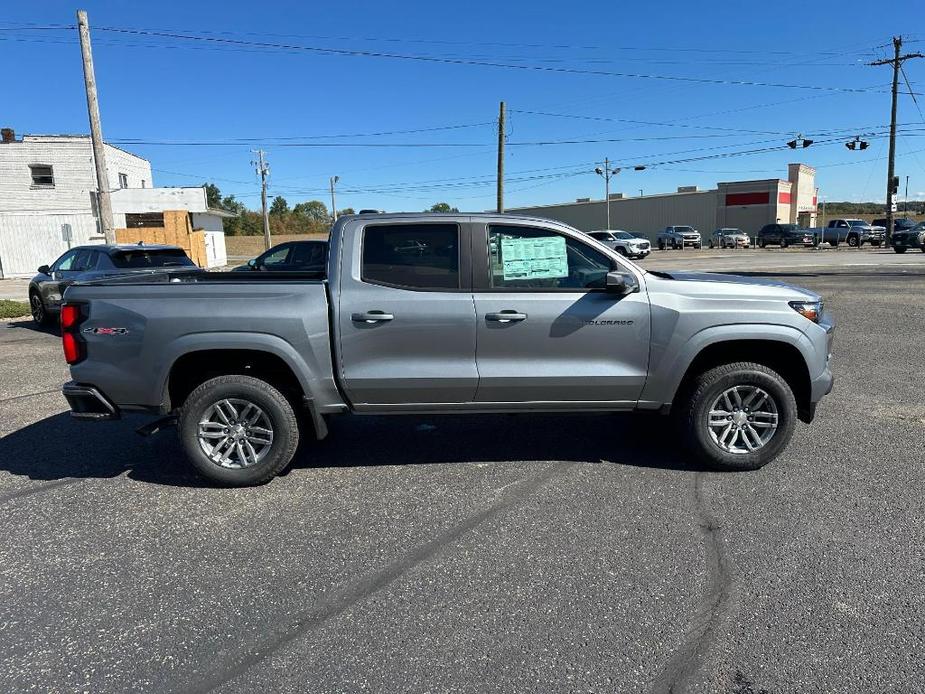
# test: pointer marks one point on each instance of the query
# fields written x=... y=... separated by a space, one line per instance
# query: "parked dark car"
x=899 y=224
x=92 y=262
x=906 y=238
x=784 y=235
x=294 y=256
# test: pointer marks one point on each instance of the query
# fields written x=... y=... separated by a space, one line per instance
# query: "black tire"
x=711 y=244
x=834 y=244
x=875 y=244
x=621 y=251
x=762 y=243
x=783 y=243
x=39 y=311
x=901 y=250
x=661 y=245
x=853 y=241
x=693 y=412
x=277 y=410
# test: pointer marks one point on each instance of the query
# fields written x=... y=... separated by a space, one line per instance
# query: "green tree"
x=279 y=206
x=313 y=211
x=346 y=210
x=442 y=207
x=213 y=196
x=232 y=205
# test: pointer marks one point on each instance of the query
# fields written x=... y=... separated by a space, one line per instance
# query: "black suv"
x=785 y=235
x=909 y=236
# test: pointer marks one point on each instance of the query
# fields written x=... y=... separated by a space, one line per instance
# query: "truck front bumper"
x=87 y=402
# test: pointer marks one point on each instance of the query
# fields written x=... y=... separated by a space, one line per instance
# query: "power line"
x=476 y=63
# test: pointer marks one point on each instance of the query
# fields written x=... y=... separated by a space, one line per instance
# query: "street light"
x=607 y=172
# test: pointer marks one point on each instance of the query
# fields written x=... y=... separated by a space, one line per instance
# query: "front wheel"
x=738 y=416
x=853 y=241
x=37 y=307
x=238 y=431
x=661 y=245
x=901 y=250
x=783 y=243
x=621 y=251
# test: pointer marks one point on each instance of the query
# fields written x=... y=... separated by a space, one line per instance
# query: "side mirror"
x=252 y=263
x=622 y=283
x=45 y=270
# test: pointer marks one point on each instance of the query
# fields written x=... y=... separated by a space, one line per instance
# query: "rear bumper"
x=86 y=402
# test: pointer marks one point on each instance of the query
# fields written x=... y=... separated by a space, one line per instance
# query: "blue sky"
x=155 y=88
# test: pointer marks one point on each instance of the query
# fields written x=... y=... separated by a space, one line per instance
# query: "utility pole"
x=892 y=183
x=104 y=201
x=607 y=172
x=501 y=126
x=263 y=170
x=334 y=180
x=906 y=199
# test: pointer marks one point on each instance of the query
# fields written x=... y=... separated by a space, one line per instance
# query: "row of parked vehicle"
x=853 y=232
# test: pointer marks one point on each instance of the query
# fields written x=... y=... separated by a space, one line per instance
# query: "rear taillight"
x=71 y=317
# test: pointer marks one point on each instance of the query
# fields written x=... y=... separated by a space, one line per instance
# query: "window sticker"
x=534 y=258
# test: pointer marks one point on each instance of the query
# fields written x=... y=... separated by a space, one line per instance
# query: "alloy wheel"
x=38 y=308
x=743 y=419
x=235 y=433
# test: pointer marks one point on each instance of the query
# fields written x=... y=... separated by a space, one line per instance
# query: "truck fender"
x=309 y=378
x=668 y=369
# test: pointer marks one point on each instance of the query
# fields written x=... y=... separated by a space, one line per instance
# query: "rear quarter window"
x=150 y=258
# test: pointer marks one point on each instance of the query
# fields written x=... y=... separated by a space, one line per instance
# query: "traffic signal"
x=851 y=145
x=864 y=145
x=792 y=144
x=806 y=143
x=894 y=185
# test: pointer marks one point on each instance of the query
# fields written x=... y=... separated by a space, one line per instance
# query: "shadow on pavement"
x=29 y=324
x=59 y=447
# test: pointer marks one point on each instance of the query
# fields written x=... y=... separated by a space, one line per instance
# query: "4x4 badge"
x=106 y=331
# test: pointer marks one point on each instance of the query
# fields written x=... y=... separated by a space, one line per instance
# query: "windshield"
x=684 y=230
x=623 y=235
x=856 y=222
x=789 y=227
x=151 y=257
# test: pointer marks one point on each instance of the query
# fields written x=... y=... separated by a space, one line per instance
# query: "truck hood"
x=711 y=283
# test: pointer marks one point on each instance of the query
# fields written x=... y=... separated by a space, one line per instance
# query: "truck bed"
x=138 y=327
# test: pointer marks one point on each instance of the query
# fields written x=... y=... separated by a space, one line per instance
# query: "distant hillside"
x=915 y=207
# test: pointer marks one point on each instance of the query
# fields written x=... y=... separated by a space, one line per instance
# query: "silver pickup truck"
x=428 y=313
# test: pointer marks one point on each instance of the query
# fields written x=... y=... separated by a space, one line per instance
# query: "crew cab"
x=854 y=232
x=490 y=313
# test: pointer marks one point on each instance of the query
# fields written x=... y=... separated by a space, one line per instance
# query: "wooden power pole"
x=262 y=170
x=892 y=182
x=104 y=201
x=501 y=158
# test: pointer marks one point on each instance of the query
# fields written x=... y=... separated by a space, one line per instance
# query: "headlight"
x=808 y=309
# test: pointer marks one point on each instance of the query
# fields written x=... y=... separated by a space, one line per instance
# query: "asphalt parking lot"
x=477 y=554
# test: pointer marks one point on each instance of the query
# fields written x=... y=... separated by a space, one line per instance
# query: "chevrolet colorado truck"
x=454 y=313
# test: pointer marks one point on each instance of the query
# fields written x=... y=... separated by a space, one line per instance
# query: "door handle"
x=371 y=317
x=506 y=317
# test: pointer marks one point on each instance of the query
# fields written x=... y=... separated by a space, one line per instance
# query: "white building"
x=48 y=199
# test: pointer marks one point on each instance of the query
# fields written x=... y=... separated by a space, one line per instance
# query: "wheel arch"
x=784 y=350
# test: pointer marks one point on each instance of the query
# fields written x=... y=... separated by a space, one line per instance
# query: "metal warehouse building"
x=747 y=205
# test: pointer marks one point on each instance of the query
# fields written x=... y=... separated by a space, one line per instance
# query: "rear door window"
x=412 y=256
x=309 y=255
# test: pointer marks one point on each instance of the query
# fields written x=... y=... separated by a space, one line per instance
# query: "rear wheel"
x=238 y=430
x=896 y=249
x=738 y=416
x=37 y=307
x=783 y=243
